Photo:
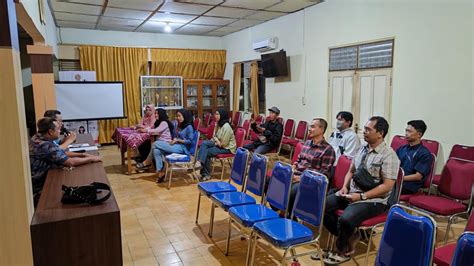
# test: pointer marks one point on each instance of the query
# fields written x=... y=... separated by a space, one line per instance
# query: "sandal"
x=205 y=178
x=335 y=259
x=160 y=179
x=142 y=166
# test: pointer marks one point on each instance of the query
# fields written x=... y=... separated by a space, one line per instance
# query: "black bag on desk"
x=364 y=180
x=85 y=194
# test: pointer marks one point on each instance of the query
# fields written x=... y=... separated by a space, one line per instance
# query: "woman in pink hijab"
x=148 y=119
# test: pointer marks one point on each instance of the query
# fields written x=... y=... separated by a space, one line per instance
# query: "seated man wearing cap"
x=271 y=132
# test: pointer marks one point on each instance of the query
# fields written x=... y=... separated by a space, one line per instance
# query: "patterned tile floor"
x=158 y=224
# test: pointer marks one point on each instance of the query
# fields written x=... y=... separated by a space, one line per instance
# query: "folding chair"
x=443 y=255
x=407 y=239
x=237 y=176
x=185 y=162
x=287 y=234
x=254 y=183
x=456 y=187
x=464 y=254
x=278 y=193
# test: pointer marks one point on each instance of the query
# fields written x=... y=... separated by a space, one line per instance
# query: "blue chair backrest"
x=255 y=182
x=279 y=187
x=311 y=198
x=237 y=174
x=406 y=239
x=464 y=253
x=194 y=143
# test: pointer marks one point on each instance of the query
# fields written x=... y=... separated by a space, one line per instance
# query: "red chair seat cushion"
x=224 y=155
x=200 y=142
x=269 y=172
x=437 y=205
x=203 y=130
x=246 y=141
x=407 y=197
x=443 y=255
x=381 y=218
x=436 y=179
x=291 y=142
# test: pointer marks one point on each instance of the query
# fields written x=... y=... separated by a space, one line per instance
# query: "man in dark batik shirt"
x=45 y=154
x=316 y=155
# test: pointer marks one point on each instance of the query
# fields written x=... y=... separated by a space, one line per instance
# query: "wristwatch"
x=363 y=196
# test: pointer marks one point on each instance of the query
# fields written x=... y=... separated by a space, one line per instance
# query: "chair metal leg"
x=372 y=232
x=211 y=221
x=171 y=175
x=284 y=256
x=228 y=237
x=198 y=207
x=222 y=169
x=249 y=246
x=252 y=258
x=450 y=221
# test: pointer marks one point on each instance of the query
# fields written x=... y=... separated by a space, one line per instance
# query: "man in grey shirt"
x=381 y=164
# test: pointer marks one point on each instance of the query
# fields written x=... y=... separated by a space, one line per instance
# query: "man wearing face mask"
x=344 y=140
x=415 y=159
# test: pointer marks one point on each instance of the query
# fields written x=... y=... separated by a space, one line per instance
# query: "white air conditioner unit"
x=265 y=45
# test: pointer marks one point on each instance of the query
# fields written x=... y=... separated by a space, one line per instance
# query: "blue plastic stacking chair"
x=237 y=176
x=407 y=239
x=288 y=234
x=464 y=253
x=254 y=183
x=185 y=162
x=278 y=193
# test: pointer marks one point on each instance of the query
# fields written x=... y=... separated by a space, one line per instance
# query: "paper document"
x=89 y=148
x=78 y=145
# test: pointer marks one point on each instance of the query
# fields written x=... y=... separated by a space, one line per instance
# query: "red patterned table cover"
x=125 y=136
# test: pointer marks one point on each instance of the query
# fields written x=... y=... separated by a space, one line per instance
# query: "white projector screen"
x=90 y=100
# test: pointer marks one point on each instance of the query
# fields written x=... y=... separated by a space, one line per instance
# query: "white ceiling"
x=190 y=17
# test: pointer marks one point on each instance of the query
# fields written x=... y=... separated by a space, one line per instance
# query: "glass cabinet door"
x=221 y=95
x=207 y=100
x=192 y=96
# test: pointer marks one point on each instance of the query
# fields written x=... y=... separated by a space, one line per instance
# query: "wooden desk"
x=75 y=234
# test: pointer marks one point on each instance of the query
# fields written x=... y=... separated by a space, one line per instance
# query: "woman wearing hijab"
x=223 y=141
x=181 y=144
x=148 y=119
x=162 y=129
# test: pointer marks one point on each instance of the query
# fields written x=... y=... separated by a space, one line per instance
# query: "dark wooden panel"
x=8 y=25
x=75 y=234
x=41 y=63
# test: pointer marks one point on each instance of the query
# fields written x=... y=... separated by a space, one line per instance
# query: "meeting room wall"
x=432 y=71
x=137 y=39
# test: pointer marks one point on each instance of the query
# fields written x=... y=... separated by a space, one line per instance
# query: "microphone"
x=65 y=132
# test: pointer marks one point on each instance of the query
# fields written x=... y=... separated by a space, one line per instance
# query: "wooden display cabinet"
x=202 y=96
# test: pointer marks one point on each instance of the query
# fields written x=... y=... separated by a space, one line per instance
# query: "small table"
x=128 y=139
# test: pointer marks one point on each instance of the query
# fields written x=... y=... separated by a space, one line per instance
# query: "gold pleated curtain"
x=188 y=63
x=117 y=64
x=236 y=86
x=254 y=88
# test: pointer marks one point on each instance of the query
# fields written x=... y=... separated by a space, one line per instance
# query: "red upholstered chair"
x=398 y=141
x=300 y=136
x=239 y=139
x=426 y=185
x=458 y=151
x=236 y=119
x=209 y=133
x=443 y=255
x=197 y=122
x=456 y=189
x=207 y=123
x=342 y=167
x=246 y=126
x=297 y=152
x=260 y=118
x=288 y=131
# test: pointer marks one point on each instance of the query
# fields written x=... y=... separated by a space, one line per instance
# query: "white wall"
x=137 y=39
x=433 y=55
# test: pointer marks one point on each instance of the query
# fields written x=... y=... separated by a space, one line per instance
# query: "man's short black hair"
x=323 y=122
x=419 y=125
x=346 y=116
x=45 y=124
x=381 y=125
x=51 y=113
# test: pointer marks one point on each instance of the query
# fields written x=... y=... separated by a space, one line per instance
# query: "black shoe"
x=141 y=166
x=160 y=179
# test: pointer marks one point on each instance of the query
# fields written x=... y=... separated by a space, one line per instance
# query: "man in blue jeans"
x=379 y=164
x=270 y=132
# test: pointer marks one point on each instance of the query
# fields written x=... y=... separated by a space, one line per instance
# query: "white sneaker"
x=197 y=165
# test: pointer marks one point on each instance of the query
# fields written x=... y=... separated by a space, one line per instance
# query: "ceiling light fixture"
x=167 y=27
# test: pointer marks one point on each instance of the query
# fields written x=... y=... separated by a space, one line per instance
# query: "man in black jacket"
x=270 y=133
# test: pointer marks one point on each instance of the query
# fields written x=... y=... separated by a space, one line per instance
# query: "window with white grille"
x=362 y=56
